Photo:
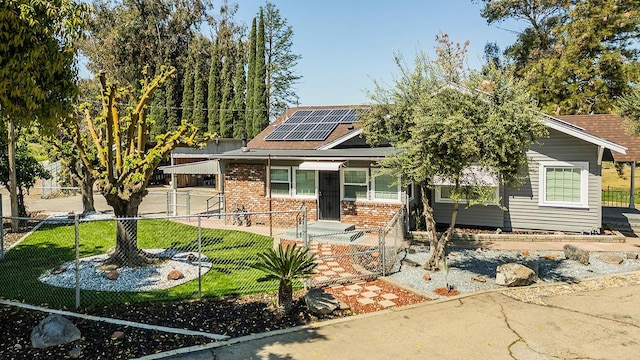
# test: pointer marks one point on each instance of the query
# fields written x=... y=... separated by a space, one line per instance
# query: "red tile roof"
x=609 y=127
x=341 y=130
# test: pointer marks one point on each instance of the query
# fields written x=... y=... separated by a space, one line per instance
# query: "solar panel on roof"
x=312 y=124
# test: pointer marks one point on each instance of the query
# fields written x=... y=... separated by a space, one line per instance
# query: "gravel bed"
x=148 y=278
x=466 y=264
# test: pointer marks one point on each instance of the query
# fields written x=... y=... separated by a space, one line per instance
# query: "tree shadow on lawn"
x=549 y=270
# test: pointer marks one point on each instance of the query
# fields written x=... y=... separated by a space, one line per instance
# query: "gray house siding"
x=524 y=211
x=522 y=204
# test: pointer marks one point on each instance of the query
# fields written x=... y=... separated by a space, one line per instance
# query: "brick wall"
x=365 y=214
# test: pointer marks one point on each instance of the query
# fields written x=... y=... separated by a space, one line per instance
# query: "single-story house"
x=317 y=156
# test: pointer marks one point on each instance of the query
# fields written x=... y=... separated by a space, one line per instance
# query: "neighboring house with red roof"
x=317 y=156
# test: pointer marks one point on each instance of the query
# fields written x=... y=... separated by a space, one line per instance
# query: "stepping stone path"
x=331 y=267
x=367 y=294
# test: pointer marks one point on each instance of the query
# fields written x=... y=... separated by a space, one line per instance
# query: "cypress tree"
x=213 y=96
x=239 y=85
x=158 y=113
x=187 y=93
x=226 y=100
x=173 y=119
x=251 y=70
x=199 y=115
x=260 y=114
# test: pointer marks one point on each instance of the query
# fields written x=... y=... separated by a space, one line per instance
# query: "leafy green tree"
x=37 y=70
x=199 y=117
x=187 y=92
x=158 y=113
x=259 y=97
x=213 y=100
x=124 y=171
x=629 y=108
x=171 y=90
x=239 y=84
x=285 y=265
x=280 y=62
x=251 y=75
x=445 y=127
x=576 y=56
x=28 y=170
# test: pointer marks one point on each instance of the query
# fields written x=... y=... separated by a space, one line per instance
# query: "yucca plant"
x=286 y=264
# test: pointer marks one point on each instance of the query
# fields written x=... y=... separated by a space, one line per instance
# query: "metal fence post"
x=168 y=203
x=188 y=200
x=199 y=257
x=77 y=245
x=382 y=251
x=305 y=237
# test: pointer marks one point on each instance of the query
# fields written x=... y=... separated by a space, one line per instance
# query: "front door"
x=329 y=195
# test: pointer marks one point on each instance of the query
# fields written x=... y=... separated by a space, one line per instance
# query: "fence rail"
x=616 y=198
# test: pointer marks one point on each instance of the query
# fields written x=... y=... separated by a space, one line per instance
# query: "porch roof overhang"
x=206 y=167
x=321 y=165
x=367 y=154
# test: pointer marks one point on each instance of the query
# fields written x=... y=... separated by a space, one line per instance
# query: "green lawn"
x=231 y=254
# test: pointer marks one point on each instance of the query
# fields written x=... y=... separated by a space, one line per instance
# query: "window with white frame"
x=443 y=194
x=564 y=184
x=355 y=184
x=386 y=187
x=305 y=182
x=280 y=181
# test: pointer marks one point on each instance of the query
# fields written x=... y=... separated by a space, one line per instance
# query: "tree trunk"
x=86 y=189
x=437 y=245
x=285 y=295
x=127 y=252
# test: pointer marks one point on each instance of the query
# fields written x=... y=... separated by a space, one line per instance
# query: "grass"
x=618 y=186
x=231 y=254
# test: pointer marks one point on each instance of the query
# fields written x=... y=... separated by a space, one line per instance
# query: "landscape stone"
x=109 y=267
x=571 y=252
x=611 y=259
x=117 y=335
x=53 y=330
x=58 y=270
x=191 y=257
x=75 y=353
x=513 y=274
x=320 y=302
x=175 y=275
x=17 y=347
x=112 y=275
x=409 y=262
x=426 y=276
x=478 y=278
x=525 y=252
x=531 y=264
x=632 y=256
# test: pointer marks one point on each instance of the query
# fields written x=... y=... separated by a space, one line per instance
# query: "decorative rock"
x=319 y=302
x=479 y=279
x=109 y=267
x=58 y=270
x=117 y=335
x=551 y=256
x=375 y=254
x=343 y=306
x=531 y=264
x=53 y=330
x=479 y=250
x=409 y=262
x=112 y=275
x=175 y=275
x=498 y=231
x=191 y=257
x=453 y=254
x=632 y=256
x=412 y=251
x=573 y=253
x=611 y=259
x=525 y=252
x=426 y=276
x=75 y=353
x=111 y=251
x=514 y=275
x=17 y=347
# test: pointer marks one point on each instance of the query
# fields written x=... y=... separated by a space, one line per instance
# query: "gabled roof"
x=611 y=127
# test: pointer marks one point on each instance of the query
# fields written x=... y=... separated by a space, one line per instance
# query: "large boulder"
x=572 y=252
x=513 y=274
x=319 y=302
x=612 y=259
x=54 y=330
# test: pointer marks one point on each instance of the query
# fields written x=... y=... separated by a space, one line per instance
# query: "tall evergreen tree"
x=281 y=62
x=251 y=74
x=226 y=99
x=187 y=92
x=260 y=113
x=239 y=84
x=213 y=95
x=158 y=113
x=199 y=116
x=173 y=117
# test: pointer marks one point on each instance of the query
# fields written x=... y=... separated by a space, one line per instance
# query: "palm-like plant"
x=286 y=264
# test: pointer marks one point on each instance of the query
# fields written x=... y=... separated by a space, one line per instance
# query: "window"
x=443 y=194
x=355 y=184
x=564 y=184
x=384 y=187
x=305 y=182
x=280 y=183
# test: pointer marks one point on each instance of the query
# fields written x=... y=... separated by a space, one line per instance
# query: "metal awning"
x=321 y=165
x=206 y=167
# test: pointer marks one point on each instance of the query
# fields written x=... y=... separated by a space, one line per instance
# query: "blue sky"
x=345 y=44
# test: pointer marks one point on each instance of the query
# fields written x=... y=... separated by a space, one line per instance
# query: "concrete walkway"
x=602 y=324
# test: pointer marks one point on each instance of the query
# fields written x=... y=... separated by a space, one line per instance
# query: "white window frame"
x=271 y=182
x=374 y=173
x=584 y=183
x=440 y=199
x=343 y=183
x=294 y=190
